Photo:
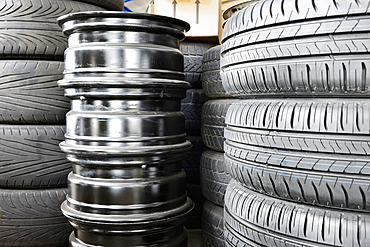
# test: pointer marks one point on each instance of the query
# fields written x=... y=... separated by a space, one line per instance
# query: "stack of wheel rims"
x=125 y=131
x=297 y=145
x=33 y=170
x=191 y=106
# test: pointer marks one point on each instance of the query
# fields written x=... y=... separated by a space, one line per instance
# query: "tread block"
x=31 y=157
x=293 y=48
x=272 y=222
x=211 y=78
x=214 y=176
x=29 y=29
x=213 y=225
x=33 y=218
x=193 y=55
x=30 y=93
x=327 y=180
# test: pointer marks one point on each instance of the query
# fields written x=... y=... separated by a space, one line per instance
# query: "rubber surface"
x=211 y=78
x=252 y=219
x=32 y=218
x=30 y=94
x=321 y=116
x=213 y=225
x=326 y=180
x=310 y=150
x=213 y=122
x=193 y=55
x=213 y=176
x=107 y=4
x=191 y=106
x=31 y=158
x=29 y=28
x=297 y=48
x=191 y=164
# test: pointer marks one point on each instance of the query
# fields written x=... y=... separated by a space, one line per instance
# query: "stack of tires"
x=191 y=106
x=33 y=170
x=213 y=176
x=297 y=145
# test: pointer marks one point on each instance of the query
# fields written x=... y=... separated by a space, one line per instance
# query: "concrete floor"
x=195 y=238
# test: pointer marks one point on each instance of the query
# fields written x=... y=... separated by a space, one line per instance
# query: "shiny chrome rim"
x=125 y=131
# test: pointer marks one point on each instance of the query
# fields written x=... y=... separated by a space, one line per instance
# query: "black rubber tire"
x=32 y=218
x=306 y=178
x=194 y=220
x=191 y=164
x=211 y=78
x=295 y=48
x=191 y=106
x=31 y=158
x=337 y=126
x=213 y=176
x=252 y=219
x=213 y=123
x=213 y=225
x=29 y=28
x=107 y=4
x=193 y=55
x=306 y=151
x=29 y=92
